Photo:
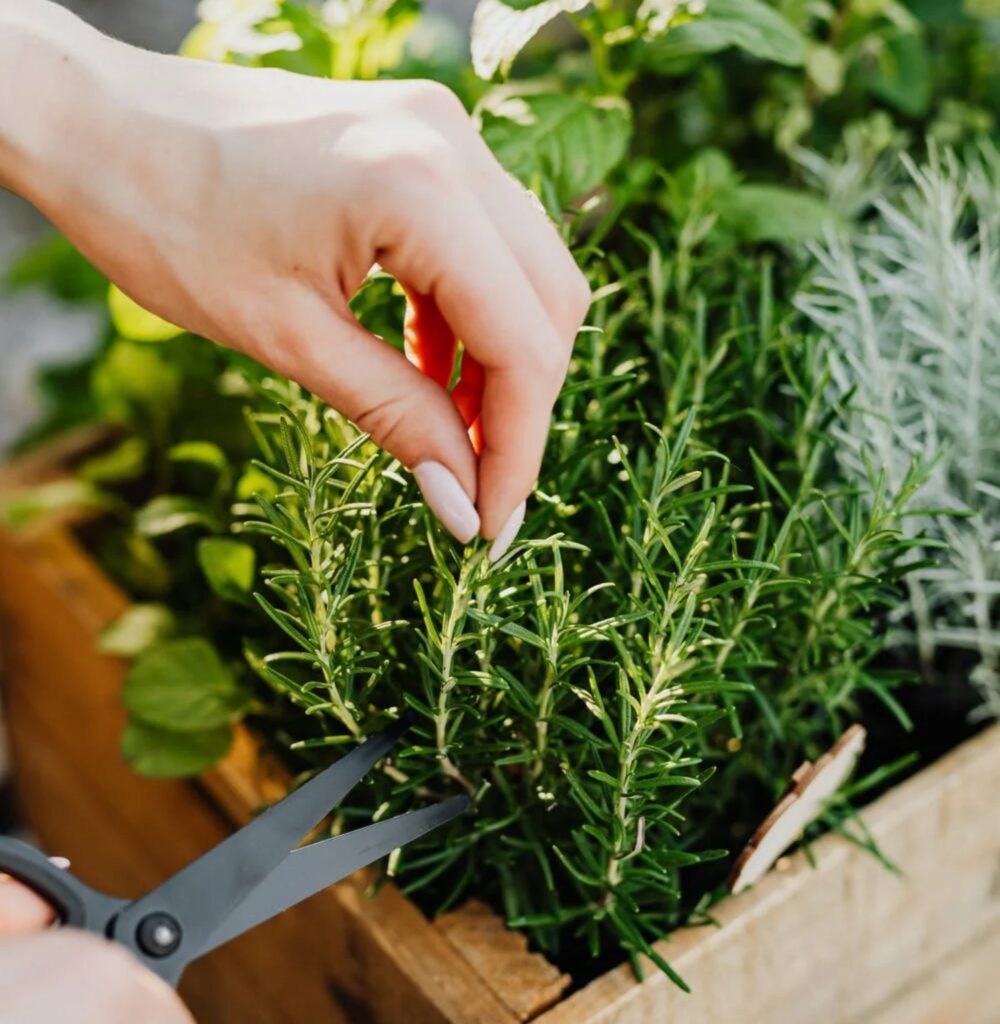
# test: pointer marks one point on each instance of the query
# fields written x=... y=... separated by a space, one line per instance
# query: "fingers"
x=407 y=413
x=71 y=976
x=452 y=252
x=21 y=910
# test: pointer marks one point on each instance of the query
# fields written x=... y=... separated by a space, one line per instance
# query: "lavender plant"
x=910 y=304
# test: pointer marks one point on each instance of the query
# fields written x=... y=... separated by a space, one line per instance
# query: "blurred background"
x=35 y=330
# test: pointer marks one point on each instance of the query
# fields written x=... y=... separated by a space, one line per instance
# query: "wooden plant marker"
x=810 y=787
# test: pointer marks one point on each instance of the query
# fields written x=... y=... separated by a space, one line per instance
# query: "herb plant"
x=698 y=600
x=910 y=302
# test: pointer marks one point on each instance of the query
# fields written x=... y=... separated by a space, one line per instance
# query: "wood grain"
x=832 y=943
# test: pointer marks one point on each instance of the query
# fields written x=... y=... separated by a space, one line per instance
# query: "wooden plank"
x=526 y=982
x=340 y=957
x=961 y=990
x=833 y=942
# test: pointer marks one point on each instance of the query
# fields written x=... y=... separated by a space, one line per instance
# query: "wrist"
x=50 y=97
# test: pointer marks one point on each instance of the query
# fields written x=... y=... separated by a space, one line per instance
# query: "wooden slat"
x=830 y=943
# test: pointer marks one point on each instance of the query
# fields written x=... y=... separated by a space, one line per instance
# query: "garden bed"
x=839 y=939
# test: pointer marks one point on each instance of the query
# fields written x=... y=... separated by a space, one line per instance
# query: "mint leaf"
x=160 y=753
x=183 y=685
x=748 y=25
x=229 y=566
x=772 y=213
x=567 y=142
x=137 y=629
x=168 y=513
x=501 y=30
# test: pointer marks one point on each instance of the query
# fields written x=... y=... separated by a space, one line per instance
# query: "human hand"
x=249 y=205
x=71 y=976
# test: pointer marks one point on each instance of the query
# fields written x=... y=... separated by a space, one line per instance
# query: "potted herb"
x=699 y=604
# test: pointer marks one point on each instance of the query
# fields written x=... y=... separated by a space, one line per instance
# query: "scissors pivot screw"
x=158 y=934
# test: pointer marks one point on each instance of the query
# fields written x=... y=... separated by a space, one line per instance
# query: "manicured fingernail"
x=506 y=536
x=447 y=500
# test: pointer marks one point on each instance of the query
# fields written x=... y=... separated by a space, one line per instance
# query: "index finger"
x=453 y=252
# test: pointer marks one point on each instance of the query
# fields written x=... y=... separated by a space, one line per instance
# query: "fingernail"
x=506 y=536
x=448 y=501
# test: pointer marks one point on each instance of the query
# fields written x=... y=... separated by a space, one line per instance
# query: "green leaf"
x=501 y=29
x=204 y=453
x=183 y=685
x=571 y=142
x=229 y=566
x=160 y=753
x=168 y=513
x=134 y=376
x=134 y=322
x=126 y=461
x=902 y=75
x=26 y=506
x=773 y=213
x=748 y=25
x=137 y=629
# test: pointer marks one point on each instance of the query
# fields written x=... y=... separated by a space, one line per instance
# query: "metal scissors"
x=245 y=880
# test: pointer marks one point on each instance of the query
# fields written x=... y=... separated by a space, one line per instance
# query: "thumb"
x=20 y=909
x=406 y=413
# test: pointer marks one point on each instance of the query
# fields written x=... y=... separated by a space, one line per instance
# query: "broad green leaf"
x=253 y=482
x=982 y=8
x=183 y=685
x=902 y=75
x=132 y=321
x=749 y=25
x=500 y=30
x=229 y=566
x=170 y=512
x=570 y=142
x=133 y=376
x=126 y=461
x=772 y=213
x=26 y=506
x=204 y=453
x=162 y=754
x=137 y=629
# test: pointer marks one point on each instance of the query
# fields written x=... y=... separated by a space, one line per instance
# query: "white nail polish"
x=506 y=536
x=447 y=499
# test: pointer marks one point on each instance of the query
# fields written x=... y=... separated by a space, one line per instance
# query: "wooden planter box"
x=842 y=940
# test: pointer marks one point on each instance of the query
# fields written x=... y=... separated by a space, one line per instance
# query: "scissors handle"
x=76 y=905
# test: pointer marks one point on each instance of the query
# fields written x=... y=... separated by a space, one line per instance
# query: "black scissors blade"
x=313 y=868
x=210 y=888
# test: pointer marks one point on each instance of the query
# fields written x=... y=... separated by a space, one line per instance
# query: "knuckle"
x=385 y=421
x=435 y=101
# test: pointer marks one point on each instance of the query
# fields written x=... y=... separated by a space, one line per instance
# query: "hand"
x=70 y=976
x=248 y=206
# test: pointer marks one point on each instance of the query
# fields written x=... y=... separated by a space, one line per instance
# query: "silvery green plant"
x=910 y=304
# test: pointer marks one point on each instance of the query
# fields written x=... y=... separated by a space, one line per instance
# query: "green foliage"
x=698 y=600
x=182 y=685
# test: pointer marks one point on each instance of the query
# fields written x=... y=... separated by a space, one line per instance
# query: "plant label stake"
x=245 y=880
x=811 y=786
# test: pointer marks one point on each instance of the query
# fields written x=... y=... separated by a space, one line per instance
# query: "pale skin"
x=248 y=206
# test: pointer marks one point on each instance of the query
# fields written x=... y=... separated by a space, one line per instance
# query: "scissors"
x=245 y=880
